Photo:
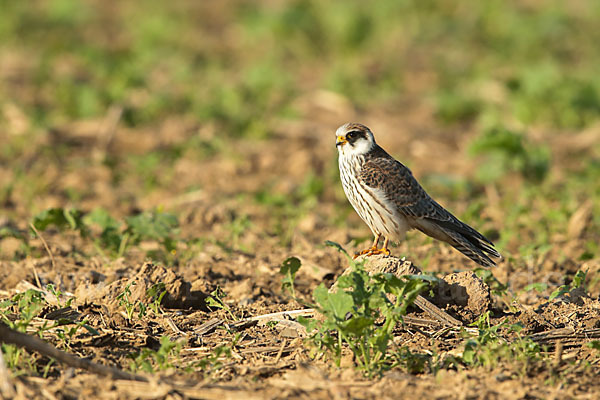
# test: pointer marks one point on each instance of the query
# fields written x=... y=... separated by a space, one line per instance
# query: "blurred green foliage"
x=113 y=236
x=508 y=151
x=243 y=67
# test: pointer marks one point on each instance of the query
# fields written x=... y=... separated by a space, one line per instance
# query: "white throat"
x=361 y=147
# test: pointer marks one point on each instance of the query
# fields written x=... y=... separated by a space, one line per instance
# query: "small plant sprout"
x=288 y=270
x=58 y=294
x=216 y=300
x=124 y=300
x=578 y=282
x=149 y=360
x=155 y=295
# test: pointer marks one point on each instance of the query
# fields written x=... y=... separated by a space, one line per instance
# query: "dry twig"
x=31 y=343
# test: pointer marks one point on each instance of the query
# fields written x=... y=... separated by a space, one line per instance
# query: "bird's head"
x=354 y=139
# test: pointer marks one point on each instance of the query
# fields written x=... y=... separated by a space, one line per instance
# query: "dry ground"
x=266 y=362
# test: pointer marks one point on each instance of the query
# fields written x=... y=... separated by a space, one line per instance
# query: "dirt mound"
x=463 y=294
x=178 y=293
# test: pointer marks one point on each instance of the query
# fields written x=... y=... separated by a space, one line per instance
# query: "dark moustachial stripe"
x=355 y=135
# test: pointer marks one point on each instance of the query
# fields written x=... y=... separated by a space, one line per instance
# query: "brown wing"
x=422 y=212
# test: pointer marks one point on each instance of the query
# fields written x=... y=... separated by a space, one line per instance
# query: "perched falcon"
x=390 y=200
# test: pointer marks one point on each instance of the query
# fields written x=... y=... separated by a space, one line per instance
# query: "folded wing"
x=422 y=212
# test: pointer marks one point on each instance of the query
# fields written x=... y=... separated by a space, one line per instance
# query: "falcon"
x=391 y=202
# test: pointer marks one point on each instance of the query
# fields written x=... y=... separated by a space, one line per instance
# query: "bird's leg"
x=370 y=250
x=384 y=249
x=376 y=241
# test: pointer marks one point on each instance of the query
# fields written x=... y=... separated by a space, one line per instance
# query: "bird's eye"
x=351 y=135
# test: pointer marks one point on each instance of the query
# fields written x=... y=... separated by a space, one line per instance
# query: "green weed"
x=27 y=305
x=155 y=226
x=61 y=218
x=150 y=361
x=577 y=282
x=19 y=312
x=498 y=288
x=130 y=306
x=594 y=344
x=351 y=314
x=288 y=270
x=214 y=361
x=489 y=347
x=154 y=296
x=215 y=300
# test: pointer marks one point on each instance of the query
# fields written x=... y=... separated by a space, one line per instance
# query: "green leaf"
x=338 y=304
x=518 y=327
x=216 y=298
x=422 y=277
x=594 y=344
x=101 y=218
x=357 y=325
x=309 y=323
x=336 y=246
x=346 y=281
x=469 y=351
x=212 y=302
x=579 y=279
x=290 y=266
x=156 y=291
x=559 y=292
x=321 y=294
x=152 y=225
x=157 y=226
x=538 y=287
x=91 y=330
x=288 y=269
x=61 y=218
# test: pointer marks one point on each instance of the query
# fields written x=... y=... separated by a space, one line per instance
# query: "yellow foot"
x=365 y=251
x=372 y=251
x=379 y=251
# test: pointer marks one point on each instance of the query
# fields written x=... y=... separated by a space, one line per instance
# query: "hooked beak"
x=340 y=141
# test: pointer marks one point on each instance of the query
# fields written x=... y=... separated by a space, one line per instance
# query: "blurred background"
x=215 y=120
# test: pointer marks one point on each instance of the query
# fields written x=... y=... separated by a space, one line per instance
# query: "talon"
x=372 y=252
x=379 y=251
x=368 y=252
x=373 y=249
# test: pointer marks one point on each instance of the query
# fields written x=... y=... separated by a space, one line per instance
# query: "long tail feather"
x=462 y=237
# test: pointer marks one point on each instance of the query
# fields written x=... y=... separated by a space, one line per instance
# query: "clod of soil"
x=178 y=291
x=390 y=265
x=463 y=294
